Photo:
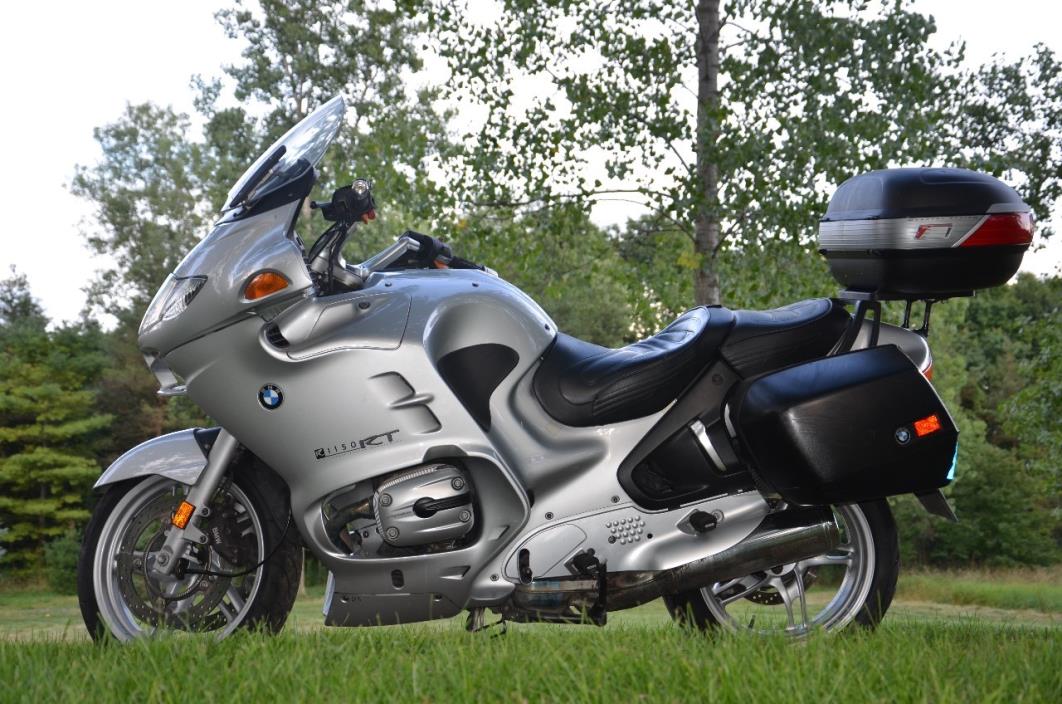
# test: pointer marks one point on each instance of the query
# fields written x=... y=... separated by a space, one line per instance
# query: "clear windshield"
x=303 y=146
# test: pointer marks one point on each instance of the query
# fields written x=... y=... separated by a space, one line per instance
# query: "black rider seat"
x=582 y=384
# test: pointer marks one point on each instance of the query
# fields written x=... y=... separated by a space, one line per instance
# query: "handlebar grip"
x=459 y=263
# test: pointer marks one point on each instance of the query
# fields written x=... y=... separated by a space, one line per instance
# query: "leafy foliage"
x=159 y=183
x=148 y=193
x=1007 y=505
x=731 y=122
x=618 y=82
x=1010 y=124
x=563 y=261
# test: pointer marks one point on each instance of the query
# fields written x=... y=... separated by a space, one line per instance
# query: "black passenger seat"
x=762 y=340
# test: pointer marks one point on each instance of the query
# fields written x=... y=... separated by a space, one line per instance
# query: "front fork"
x=178 y=539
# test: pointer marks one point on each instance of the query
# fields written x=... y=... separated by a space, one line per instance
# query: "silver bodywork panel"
x=341 y=391
x=630 y=539
x=363 y=396
x=233 y=252
x=176 y=456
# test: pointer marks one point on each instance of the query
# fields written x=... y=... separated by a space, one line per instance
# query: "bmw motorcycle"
x=423 y=428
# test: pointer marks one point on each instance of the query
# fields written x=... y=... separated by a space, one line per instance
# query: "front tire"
x=249 y=521
x=859 y=576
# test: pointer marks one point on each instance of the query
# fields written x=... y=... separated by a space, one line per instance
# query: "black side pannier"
x=858 y=426
x=924 y=233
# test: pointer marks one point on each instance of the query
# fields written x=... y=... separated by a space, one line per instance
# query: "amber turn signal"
x=929 y=424
x=183 y=514
x=264 y=283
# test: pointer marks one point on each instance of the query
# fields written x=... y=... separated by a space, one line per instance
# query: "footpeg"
x=586 y=563
x=702 y=521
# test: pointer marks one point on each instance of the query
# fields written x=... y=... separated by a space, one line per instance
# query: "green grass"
x=1040 y=590
x=627 y=661
x=925 y=651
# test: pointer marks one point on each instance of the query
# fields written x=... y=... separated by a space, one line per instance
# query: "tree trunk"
x=706 y=220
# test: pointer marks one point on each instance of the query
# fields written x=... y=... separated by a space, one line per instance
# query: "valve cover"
x=427 y=504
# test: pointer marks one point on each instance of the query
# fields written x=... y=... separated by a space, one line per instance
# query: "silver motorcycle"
x=423 y=428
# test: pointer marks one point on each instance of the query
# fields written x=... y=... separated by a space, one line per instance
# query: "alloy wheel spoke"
x=792 y=596
x=799 y=583
x=720 y=587
x=841 y=556
x=235 y=598
x=836 y=603
x=227 y=611
x=786 y=600
x=748 y=589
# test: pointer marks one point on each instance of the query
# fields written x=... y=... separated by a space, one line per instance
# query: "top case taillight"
x=1009 y=228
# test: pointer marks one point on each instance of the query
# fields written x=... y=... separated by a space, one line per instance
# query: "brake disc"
x=185 y=601
x=231 y=534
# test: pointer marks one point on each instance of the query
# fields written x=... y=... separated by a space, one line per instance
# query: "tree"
x=48 y=427
x=300 y=53
x=149 y=193
x=730 y=124
x=159 y=183
x=563 y=261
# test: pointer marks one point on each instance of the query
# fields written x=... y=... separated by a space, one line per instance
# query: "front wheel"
x=854 y=583
x=245 y=576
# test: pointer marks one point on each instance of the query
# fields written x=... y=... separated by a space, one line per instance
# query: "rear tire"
x=104 y=585
x=872 y=589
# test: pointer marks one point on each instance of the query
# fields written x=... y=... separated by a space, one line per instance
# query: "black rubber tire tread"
x=689 y=610
x=280 y=576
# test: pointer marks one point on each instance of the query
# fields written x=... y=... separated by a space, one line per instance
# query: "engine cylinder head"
x=424 y=505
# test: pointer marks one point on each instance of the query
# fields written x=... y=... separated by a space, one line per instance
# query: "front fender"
x=180 y=456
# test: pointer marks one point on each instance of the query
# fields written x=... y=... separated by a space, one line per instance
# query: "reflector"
x=183 y=514
x=929 y=424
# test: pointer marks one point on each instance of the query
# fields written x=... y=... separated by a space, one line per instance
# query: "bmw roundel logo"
x=903 y=435
x=270 y=396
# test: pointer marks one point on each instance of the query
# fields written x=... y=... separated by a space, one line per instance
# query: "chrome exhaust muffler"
x=788 y=536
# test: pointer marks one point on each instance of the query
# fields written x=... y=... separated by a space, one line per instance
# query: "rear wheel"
x=220 y=586
x=854 y=583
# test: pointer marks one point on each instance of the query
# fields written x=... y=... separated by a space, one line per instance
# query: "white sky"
x=67 y=67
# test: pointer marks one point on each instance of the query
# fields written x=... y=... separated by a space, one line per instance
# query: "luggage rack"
x=867 y=301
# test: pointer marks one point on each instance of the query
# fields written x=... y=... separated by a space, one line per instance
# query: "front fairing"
x=238 y=247
x=255 y=236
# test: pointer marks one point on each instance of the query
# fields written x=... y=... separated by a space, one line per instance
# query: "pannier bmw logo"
x=903 y=435
x=270 y=396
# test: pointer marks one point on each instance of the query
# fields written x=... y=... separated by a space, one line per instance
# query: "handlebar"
x=355 y=202
x=428 y=251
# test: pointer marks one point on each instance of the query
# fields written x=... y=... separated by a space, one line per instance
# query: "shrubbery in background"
x=60 y=563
